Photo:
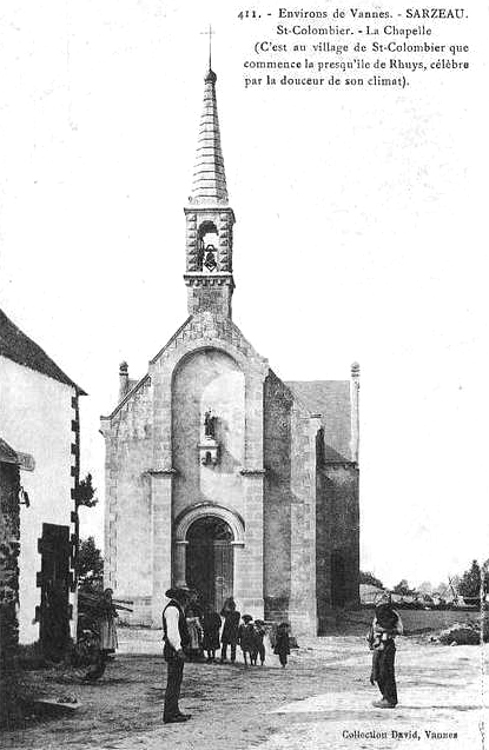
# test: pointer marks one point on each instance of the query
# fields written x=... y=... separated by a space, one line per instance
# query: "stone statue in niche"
x=209 y=424
x=209 y=447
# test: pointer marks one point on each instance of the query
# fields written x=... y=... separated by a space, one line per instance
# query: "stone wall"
x=153 y=472
x=323 y=535
x=289 y=509
x=129 y=455
x=277 y=498
x=303 y=604
x=208 y=379
x=38 y=417
x=338 y=500
x=294 y=509
x=9 y=586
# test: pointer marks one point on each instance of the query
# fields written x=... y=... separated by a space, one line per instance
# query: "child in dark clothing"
x=282 y=643
x=229 y=635
x=246 y=639
x=211 y=624
x=259 y=636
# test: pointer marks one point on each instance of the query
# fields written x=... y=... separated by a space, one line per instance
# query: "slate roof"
x=19 y=348
x=7 y=454
x=331 y=400
x=209 y=180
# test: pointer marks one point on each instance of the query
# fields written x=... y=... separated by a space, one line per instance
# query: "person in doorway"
x=176 y=639
x=282 y=643
x=195 y=603
x=259 y=638
x=211 y=625
x=385 y=627
x=229 y=636
x=107 y=634
x=246 y=639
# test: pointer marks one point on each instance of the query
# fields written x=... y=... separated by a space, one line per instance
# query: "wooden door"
x=209 y=561
x=200 y=568
x=223 y=572
x=54 y=615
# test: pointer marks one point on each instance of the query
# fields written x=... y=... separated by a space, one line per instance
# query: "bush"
x=461 y=634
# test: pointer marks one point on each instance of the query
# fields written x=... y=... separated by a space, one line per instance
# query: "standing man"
x=385 y=627
x=176 y=638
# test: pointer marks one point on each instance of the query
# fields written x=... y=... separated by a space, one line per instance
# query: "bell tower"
x=209 y=218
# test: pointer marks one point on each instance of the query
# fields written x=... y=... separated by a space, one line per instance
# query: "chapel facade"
x=219 y=475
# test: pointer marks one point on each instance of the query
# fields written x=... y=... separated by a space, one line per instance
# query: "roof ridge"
x=170 y=340
x=21 y=349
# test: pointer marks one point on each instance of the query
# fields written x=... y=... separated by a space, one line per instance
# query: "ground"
x=319 y=701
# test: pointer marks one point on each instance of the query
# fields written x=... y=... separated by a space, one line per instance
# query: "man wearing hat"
x=176 y=638
x=386 y=626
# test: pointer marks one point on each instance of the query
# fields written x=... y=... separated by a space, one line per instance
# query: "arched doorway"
x=209 y=560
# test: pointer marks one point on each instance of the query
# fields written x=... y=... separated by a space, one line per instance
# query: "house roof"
x=19 y=348
x=7 y=453
x=9 y=456
x=330 y=399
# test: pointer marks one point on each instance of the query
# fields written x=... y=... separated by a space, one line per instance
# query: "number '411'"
x=247 y=14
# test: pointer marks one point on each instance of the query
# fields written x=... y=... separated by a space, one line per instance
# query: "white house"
x=39 y=415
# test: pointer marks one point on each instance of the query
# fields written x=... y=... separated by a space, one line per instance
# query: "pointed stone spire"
x=209 y=218
x=209 y=180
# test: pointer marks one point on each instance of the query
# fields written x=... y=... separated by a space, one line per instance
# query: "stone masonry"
x=211 y=432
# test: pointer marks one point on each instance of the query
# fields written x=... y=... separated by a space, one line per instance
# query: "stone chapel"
x=219 y=475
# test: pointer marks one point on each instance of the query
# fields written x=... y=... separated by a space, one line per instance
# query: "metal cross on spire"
x=210 y=33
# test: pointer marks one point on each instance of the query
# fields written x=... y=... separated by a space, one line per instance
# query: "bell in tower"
x=209 y=239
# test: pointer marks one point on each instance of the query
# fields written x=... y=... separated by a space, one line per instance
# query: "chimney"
x=123 y=380
x=355 y=416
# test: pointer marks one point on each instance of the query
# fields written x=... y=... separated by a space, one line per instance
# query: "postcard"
x=242 y=404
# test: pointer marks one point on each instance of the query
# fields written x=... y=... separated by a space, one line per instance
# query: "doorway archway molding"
x=182 y=524
x=206 y=510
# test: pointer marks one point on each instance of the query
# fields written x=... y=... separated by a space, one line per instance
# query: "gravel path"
x=322 y=700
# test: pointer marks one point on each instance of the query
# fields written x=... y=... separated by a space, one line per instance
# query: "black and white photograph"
x=243 y=412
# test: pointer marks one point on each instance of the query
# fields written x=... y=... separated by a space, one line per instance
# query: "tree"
x=470 y=583
x=402 y=588
x=84 y=496
x=367 y=577
x=90 y=560
x=485 y=576
x=85 y=493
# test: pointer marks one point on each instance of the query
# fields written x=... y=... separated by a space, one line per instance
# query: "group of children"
x=205 y=635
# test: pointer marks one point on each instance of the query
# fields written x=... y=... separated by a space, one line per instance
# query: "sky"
x=359 y=237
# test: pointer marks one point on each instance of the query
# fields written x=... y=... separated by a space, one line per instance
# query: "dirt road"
x=322 y=700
